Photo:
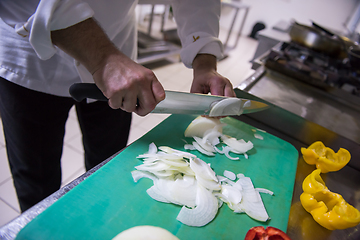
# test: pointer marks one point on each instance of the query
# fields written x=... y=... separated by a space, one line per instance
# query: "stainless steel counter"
x=301 y=115
x=289 y=126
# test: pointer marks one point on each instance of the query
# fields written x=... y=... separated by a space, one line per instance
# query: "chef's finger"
x=129 y=102
x=229 y=91
x=150 y=97
x=146 y=102
x=115 y=101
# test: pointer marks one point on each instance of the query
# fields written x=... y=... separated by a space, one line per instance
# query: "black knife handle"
x=80 y=91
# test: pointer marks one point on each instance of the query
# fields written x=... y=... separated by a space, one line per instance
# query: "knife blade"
x=182 y=102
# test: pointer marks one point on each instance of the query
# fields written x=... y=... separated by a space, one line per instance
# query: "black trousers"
x=34 y=129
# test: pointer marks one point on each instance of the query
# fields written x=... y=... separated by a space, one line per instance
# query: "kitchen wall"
x=332 y=14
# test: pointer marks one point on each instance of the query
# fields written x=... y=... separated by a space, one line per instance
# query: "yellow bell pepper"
x=328 y=209
x=325 y=158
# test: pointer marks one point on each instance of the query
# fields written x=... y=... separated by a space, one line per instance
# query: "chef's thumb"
x=158 y=91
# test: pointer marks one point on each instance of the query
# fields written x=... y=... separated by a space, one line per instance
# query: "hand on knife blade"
x=181 y=102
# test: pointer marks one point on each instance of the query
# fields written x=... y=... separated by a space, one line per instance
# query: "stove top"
x=315 y=68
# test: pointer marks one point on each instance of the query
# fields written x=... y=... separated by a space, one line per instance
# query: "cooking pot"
x=318 y=40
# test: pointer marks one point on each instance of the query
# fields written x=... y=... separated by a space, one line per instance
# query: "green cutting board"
x=109 y=201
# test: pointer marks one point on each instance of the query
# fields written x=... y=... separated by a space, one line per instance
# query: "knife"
x=181 y=102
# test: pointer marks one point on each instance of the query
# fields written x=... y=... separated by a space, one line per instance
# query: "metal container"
x=316 y=39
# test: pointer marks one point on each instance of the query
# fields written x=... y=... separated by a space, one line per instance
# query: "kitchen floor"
x=173 y=76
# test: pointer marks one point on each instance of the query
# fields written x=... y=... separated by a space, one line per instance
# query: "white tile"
x=72 y=113
x=135 y=134
x=160 y=116
x=149 y=122
x=75 y=175
x=4 y=165
x=7 y=213
x=72 y=129
x=71 y=162
x=8 y=194
x=75 y=143
x=136 y=119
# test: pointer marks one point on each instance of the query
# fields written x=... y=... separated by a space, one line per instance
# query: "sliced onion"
x=208 y=184
x=203 y=151
x=263 y=190
x=176 y=152
x=212 y=136
x=252 y=203
x=230 y=175
x=189 y=147
x=258 y=136
x=152 y=148
x=220 y=151
x=137 y=175
x=200 y=125
x=156 y=194
x=204 y=212
x=240 y=146
x=226 y=152
x=153 y=167
x=202 y=169
x=221 y=178
x=231 y=194
x=206 y=146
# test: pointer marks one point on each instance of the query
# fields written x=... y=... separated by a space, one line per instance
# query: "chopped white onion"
x=226 y=152
x=232 y=195
x=206 y=146
x=263 y=190
x=137 y=175
x=200 y=125
x=258 y=136
x=212 y=136
x=189 y=147
x=152 y=148
x=230 y=175
x=203 y=151
x=208 y=184
x=204 y=212
x=156 y=194
x=220 y=151
x=202 y=169
x=252 y=203
x=183 y=179
x=239 y=146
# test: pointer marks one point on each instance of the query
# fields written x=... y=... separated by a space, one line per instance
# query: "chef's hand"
x=127 y=85
x=207 y=79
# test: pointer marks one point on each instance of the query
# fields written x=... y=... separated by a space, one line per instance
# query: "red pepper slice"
x=270 y=233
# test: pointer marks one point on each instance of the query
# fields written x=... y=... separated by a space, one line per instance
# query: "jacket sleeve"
x=198 y=28
x=49 y=15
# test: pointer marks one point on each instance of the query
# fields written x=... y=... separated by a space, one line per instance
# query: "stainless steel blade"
x=203 y=104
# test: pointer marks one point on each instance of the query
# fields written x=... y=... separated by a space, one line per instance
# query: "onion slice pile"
x=183 y=179
x=251 y=202
x=207 y=131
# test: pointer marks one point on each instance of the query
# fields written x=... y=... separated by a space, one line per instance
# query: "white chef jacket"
x=28 y=57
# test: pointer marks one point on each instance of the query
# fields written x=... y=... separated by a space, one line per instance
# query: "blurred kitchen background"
x=249 y=29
